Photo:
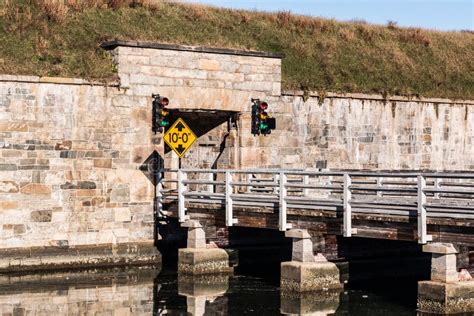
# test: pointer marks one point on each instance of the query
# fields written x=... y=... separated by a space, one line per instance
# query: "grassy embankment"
x=41 y=38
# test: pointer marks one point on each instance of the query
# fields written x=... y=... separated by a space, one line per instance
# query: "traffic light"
x=160 y=115
x=262 y=123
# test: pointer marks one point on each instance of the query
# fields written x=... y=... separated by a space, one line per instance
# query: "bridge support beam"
x=197 y=259
x=305 y=272
x=444 y=293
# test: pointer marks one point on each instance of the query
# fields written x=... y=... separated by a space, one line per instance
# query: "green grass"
x=322 y=55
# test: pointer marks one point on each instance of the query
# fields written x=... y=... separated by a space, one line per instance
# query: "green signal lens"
x=164 y=123
x=263 y=125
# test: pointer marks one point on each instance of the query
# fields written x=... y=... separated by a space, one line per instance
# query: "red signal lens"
x=264 y=105
x=165 y=102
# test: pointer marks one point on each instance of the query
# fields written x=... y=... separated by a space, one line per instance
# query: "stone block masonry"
x=71 y=151
x=69 y=175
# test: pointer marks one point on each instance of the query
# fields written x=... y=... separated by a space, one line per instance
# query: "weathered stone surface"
x=103 y=163
x=446 y=298
x=7 y=205
x=191 y=224
x=122 y=215
x=443 y=268
x=35 y=188
x=308 y=276
x=41 y=216
x=9 y=187
x=440 y=248
x=297 y=233
x=45 y=258
x=203 y=261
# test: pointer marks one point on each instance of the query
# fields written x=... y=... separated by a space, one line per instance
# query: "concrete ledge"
x=203 y=261
x=309 y=276
x=109 y=45
x=374 y=97
x=87 y=256
x=445 y=298
x=55 y=80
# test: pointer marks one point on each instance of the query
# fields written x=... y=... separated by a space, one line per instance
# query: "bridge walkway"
x=423 y=207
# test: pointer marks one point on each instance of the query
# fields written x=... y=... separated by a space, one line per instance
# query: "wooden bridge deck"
x=419 y=207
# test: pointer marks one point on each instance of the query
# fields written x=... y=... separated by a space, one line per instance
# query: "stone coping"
x=109 y=45
x=374 y=97
x=55 y=80
x=15 y=260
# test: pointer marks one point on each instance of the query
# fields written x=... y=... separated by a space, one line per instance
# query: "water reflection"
x=105 y=292
x=147 y=291
x=199 y=289
x=319 y=303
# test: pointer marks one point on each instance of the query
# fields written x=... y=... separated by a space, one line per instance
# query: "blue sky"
x=434 y=14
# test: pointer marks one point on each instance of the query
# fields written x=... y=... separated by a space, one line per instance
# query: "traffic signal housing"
x=160 y=114
x=262 y=123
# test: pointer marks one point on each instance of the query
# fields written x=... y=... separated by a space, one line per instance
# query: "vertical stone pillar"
x=444 y=293
x=443 y=262
x=304 y=273
x=196 y=258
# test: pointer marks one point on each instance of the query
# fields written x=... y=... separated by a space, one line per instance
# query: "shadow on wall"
x=201 y=121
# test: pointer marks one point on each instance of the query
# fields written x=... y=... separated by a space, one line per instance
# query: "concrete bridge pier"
x=444 y=293
x=305 y=272
x=197 y=259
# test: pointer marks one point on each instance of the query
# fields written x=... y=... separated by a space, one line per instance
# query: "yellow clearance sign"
x=180 y=137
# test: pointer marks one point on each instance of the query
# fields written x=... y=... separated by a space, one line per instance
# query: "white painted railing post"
x=210 y=187
x=275 y=182
x=229 y=212
x=305 y=182
x=347 y=208
x=249 y=181
x=423 y=236
x=379 y=185
x=159 y=200
x=181 y=197
x=437 y=185
x=282 y=220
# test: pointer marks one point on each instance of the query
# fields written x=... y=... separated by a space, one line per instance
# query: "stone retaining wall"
x=72 y=152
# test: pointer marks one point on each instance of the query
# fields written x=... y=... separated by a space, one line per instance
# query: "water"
x=145 y=291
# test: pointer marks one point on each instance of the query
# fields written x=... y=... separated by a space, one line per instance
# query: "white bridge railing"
x=420 y=195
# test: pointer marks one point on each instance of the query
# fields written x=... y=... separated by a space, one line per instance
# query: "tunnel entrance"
x=203 y=121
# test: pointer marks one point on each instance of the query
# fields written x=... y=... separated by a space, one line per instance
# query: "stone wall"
x=69 y=166
x=72 y=152
x=364 y=132
x=313 y=131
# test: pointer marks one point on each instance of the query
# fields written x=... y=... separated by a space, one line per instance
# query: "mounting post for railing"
x=229 y=212
x=158 y=200
x=423 y=236
x=275 y=181
x=249 y=181
x=347 y=208
x=379 y=185
x=181 y=190
x=437 y=185
x=282 y=220
x=210 y=187
x=305 y=182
